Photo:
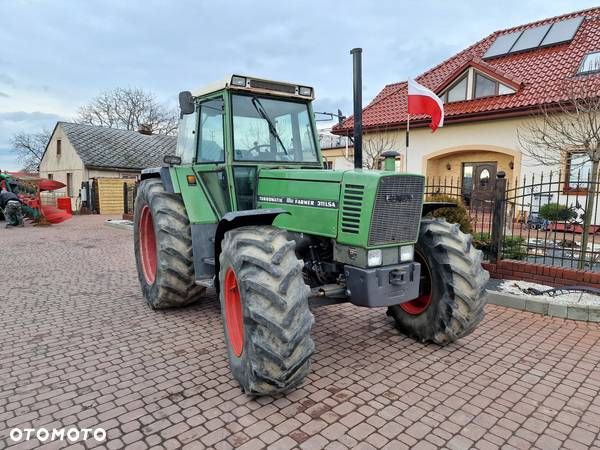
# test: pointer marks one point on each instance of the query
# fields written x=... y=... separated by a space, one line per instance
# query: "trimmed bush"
x=513 y=247
x=458 y=215
x=555 y=212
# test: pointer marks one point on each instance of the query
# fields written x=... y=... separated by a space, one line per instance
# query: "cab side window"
x=210 y=136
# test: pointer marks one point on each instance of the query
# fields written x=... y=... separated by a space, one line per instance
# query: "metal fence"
x=539 y=218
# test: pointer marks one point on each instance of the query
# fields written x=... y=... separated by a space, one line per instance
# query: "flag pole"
x=407 y=144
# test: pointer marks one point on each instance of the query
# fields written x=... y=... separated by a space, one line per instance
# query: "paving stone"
x=91 y=352
x=557 y=310
x=577 y=312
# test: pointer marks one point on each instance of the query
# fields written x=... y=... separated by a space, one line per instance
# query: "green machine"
x=246 y=207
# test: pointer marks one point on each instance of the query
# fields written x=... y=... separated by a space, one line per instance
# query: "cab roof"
x=254 y=84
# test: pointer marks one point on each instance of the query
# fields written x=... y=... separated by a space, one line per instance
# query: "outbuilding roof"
x=542 y=76
x=114 y=148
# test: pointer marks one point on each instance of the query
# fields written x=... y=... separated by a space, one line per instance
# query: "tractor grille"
x=397 y=211
x=353 y=201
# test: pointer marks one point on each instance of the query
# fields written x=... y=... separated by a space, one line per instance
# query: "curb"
x=587 y=313
x=122 y=224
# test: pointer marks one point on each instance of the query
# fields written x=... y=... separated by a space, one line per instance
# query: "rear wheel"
x=163 y=247
x=264 y=304
x=451 y=297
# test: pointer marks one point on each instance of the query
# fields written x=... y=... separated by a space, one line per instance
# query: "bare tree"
x=29 y=148
x=128 y=108
x=374 y=144
x=557 y=131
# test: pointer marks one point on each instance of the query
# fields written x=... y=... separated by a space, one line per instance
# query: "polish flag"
x=422 y=101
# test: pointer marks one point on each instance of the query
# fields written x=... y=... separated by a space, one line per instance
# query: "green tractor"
x=246 y=207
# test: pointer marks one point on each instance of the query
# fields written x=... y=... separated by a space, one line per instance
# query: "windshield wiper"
x=261 y=110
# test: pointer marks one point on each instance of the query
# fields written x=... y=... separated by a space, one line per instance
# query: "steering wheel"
x=260 y=148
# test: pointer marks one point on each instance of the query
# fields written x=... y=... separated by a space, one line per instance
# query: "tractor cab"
x=231 y=129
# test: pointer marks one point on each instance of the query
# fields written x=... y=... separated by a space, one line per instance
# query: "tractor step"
x=209 y=261
x=206 y=282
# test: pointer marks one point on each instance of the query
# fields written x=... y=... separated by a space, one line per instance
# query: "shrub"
x=555 y=212
x=458 y=215
x=513 y=247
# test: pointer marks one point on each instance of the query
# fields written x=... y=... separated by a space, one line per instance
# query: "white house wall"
x=59 y=165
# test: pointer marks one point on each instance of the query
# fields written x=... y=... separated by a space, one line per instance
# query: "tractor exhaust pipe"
x=357 y=86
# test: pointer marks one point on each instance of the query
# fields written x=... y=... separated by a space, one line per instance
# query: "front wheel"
x=163 y=247
x=451 y=297
x=264 y=305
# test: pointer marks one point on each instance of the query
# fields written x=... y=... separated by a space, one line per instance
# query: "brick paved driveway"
x=80 y=348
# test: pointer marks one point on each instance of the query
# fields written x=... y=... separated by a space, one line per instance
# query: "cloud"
x=24 y=122
x=29 y=117
x=7 y=160
x=74 y=50
x=6 y=79
x=4 y=95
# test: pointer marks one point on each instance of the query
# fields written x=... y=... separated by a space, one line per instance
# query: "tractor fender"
x=164 y=173
x=429 y=207
x=238 y=219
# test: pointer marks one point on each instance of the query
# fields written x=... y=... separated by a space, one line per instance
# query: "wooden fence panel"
x=110 y=194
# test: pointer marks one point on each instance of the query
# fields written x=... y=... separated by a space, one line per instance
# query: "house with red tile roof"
x=489 y=91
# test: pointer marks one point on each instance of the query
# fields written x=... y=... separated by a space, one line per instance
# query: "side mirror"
x=186 y=102
x=172 y=160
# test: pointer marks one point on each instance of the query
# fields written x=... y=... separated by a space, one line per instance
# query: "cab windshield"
x=265 y=129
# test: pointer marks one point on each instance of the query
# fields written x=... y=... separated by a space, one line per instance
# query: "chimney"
x=145 y=128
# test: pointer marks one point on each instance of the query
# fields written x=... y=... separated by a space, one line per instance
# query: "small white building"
x=77 y=153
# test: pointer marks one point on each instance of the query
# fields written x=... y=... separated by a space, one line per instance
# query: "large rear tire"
x=163 y=247
x=264 y=305
x=452 y=292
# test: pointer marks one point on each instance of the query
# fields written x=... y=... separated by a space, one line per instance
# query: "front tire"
x=264 y=305
x=163 y=247
x=452 y=293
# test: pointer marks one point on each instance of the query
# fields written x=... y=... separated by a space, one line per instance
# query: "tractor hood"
x=366 y=208
x=303 y=174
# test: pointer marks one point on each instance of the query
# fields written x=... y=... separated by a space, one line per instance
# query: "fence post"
x=125 y=199
x=498 y=216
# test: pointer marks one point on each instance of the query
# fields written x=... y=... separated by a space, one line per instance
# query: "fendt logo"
x=399 y=198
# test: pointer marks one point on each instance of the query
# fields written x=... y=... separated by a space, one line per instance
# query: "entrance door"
x=479 y=180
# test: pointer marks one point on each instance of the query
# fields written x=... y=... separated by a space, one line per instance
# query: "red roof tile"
x=541 y=75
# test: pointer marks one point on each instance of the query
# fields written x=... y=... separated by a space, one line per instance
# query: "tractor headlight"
x=374 y=258
x=407 y=253
x=304 y=90
x=238 y=81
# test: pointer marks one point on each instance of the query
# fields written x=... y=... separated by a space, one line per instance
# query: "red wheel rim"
x=147 y=245
x=420 y=304
x=233 y=313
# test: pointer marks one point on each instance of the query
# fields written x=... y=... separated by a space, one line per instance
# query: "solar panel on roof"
x=502 y=44
x=535 y=37
x=562 y=31
x=530 y=38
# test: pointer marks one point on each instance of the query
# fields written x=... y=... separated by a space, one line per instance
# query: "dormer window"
x=590 y=64
x=474 y=84
x=484 y=86
x=458 y=92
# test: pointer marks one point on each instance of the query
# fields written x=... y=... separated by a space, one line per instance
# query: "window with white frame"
x=579 y=167
x=590 y=63
x=474 y=84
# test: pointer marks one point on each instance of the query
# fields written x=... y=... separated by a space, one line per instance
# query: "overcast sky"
x=56 y=55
